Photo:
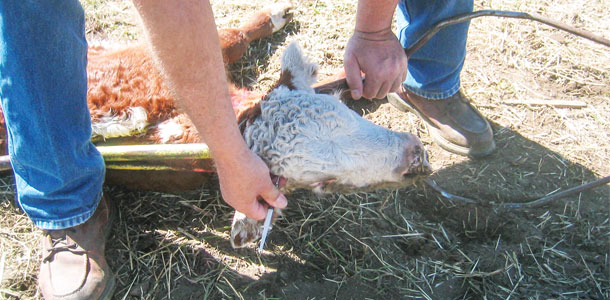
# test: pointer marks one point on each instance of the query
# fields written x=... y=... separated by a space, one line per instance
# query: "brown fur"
x=127 y=78
x=247 y=111
x=236 y=43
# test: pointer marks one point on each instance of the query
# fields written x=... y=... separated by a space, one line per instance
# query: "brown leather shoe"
x=453 y=123
x=73 y=263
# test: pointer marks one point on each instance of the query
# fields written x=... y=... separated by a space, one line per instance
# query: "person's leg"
x=432 y=87
x=43 y=85
x=434 y=70
x=58 y=172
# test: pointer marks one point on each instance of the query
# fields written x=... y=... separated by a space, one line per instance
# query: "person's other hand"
x=380 y=57
x=243 y=180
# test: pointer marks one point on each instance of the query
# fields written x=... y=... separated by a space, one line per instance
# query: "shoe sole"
x=434 y=132
x=109 y=289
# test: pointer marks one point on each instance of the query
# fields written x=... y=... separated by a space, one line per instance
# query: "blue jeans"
x=434 y=69
x=43 y=89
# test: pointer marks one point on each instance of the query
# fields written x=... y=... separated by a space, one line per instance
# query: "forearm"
x=375 y=15
x=185 y=42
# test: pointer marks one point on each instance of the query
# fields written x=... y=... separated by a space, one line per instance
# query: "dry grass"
x=399 y=244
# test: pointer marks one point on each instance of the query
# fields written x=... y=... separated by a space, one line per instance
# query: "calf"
x=308 y=140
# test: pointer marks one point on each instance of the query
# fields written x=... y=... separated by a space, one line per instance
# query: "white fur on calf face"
x=312 y=138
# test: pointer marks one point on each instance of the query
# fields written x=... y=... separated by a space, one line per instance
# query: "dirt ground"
x=410 y=243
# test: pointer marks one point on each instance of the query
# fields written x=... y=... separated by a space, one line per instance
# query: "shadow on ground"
x=399 y=244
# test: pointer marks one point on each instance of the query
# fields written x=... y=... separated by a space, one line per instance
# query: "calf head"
x=314 y=141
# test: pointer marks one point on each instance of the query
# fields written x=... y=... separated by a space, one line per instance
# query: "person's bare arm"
x=184 y=40
x=374 y=50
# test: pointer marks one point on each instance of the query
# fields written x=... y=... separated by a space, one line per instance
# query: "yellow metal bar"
x=142 y=153
x=146 y=167
x=155 y=152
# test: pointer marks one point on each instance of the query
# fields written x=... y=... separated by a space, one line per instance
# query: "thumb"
x=352 y=76
x=257 y=211
x=275 y=198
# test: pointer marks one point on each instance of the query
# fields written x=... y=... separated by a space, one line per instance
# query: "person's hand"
x=380 y=57
x=243 y=180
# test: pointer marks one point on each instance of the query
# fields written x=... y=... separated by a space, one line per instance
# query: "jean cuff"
x=434 y=95
x=67 y=222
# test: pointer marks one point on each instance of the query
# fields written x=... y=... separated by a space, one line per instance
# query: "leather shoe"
x=453 y=122
x=73 y=263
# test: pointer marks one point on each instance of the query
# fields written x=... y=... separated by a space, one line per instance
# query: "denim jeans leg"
x=43 y=89
x=434 y=69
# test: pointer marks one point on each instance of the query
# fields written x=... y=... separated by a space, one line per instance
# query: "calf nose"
x=415 y=158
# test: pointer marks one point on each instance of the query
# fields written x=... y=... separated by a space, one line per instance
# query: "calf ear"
x=298 y=73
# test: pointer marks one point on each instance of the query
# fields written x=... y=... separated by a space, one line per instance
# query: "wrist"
x=230 y=150
x=378 y=35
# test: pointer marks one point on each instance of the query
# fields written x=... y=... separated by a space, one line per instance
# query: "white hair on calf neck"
x=169 y=130
x=126 y=124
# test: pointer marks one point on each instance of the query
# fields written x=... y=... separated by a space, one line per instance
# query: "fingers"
x=383 y=79
x=275 y=198
x=246 y=185
x=352 y=76
x=384 y=89
x=379 y=89
x=396 y=85
x=371 y=86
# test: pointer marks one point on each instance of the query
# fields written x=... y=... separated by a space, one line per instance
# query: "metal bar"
x=445 y=194
x=562 y=194
x=142 y=153
x=155 y=152
x=153 y=167
x=532 y=204
x=504 y=14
